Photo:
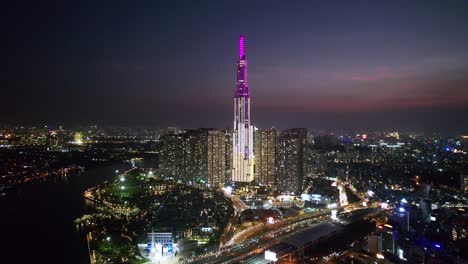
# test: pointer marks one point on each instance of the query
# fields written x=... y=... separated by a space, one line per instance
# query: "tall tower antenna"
x=241 y=47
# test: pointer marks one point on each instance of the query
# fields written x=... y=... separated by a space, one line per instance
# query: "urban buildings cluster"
x=206 y=155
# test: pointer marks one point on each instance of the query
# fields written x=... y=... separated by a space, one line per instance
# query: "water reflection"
x=38 y=217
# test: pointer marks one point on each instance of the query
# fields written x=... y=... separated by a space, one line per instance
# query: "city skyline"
x=139 y=133
x=354 y=65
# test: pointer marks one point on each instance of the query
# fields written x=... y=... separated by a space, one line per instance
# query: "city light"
x=227 y=190
x=401 y=209
x=271 y=256
x=334 y=215
x=305 y=197
x=400 y=254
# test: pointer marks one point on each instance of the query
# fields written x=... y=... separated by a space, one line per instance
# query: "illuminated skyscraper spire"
x=242 y=84
x=241 y=47
x=242 y=158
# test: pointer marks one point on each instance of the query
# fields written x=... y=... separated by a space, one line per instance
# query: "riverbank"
x=37 y=222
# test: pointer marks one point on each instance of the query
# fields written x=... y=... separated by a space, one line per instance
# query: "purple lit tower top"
x=242 y=85
x=241 y=47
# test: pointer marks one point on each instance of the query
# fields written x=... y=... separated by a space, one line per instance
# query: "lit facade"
x=171 y=156
x=265 y=157
x=242 y=140
x=184 y=156
x=195 y=157
x=228 y=154
x=290 y=159
x=216 y=158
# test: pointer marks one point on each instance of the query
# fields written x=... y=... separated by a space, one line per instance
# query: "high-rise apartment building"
x=265 y=157
x=195 y=156
x=228 y=154
x=216 y=158
x=171 y=155
x=184 y=156
x=290 y=160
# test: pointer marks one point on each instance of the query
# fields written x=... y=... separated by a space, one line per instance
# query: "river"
x=36 y=219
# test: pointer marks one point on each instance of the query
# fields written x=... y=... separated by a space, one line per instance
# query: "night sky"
x=315 y=64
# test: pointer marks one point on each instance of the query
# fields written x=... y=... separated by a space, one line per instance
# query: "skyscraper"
x=184 y=156
x=290 y=160
x=242 y=140
x=265 y=157
x=171 y=156
x=195 y=158
x=228 y=155
x=216 y=158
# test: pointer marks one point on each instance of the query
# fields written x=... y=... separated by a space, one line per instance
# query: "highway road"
x=254 y=240
x=264 y=236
